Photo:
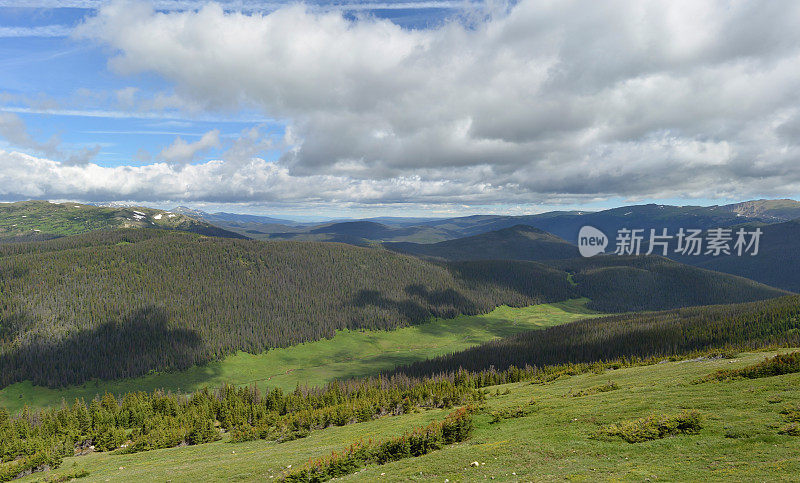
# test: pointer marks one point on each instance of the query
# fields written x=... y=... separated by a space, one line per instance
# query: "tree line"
x=641 y=335
x=139 y=421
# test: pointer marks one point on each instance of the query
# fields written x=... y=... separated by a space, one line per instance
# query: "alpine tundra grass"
x=555 y=441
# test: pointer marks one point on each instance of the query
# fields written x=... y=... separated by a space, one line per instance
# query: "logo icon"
x=591 y=241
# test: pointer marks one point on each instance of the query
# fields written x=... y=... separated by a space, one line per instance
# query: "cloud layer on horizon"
x=544 y=100
x=251 y=181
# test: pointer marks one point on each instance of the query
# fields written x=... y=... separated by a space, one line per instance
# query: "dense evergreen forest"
x=626 y=284
x=777 y=262
x=112 y=304
x=643 y=335
x=122 y=303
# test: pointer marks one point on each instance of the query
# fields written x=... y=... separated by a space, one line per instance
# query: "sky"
x=356 y=108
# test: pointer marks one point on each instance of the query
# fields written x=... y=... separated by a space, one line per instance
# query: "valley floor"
x=739 y=440
x=348 y=354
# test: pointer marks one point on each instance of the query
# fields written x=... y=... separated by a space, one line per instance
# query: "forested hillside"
x=122 y=303
x=645 y=335
x=624 y=284
x=42 y=220
x=621 y=284
x=777 y=262
x=519 y=242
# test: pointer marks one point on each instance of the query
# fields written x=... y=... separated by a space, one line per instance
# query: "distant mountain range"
x=222 y=217
x=567 y=224
x=767 y=210
x=547 y=236
x=519 y=242
x=550 y=235
x=360 y=232
x=564 y=224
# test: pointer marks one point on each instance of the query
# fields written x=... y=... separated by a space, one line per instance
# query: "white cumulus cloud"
x=533 y=101
x=251 y=181
x=182 y=152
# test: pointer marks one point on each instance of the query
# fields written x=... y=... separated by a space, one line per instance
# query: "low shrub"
x=69 y=476
x=656 y=426
x=42 y=460
x=455 y=428
x=171 y=435
x=293 y=435
x=737 y=433
x=609 y=386
x=512 y=413
x=791 y=429
x=791 y=412
x=771 y=366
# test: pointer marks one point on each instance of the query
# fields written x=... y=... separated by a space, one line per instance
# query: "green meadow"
x=739 y=439
x=347 y=354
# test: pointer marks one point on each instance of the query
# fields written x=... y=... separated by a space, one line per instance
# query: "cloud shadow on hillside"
x=140 y=343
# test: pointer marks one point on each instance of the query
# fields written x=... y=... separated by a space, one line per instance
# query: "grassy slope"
x=552 y=443
x=348 y=354
x=55 y=219
x=27 y=218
